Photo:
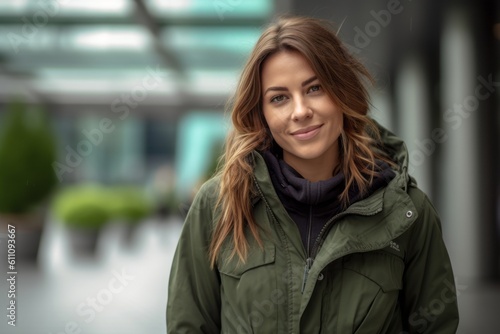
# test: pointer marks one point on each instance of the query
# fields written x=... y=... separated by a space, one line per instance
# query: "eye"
x=315 y=88
x=277 y=98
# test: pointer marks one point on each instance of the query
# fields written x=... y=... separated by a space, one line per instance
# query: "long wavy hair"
x=343 y=78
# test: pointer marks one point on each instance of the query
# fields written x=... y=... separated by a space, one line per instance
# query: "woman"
x=313 y=224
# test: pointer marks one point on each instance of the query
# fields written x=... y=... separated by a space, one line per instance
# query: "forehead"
x=285 y=66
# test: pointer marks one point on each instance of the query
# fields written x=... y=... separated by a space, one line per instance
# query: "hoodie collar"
x=292 y=187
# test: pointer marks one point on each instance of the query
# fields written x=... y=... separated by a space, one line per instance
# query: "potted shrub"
x=128 y=205
x=84 y=211
x=27 y=151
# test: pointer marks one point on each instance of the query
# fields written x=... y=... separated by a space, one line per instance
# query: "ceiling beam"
x=247 y=22
x=22 y=89
x=145 y=18
x=31 y=61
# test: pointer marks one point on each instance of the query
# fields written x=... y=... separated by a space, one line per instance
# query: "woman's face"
x=303 y=119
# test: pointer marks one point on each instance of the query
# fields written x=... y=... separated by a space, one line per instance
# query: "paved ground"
x=124 y=289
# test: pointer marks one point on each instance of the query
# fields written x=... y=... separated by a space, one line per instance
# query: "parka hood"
x=395 y=148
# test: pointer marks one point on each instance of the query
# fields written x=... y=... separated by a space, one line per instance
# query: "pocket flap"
x=256 y=257
x=385 y=269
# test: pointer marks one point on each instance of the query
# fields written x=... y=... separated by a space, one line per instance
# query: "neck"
x=317 y=169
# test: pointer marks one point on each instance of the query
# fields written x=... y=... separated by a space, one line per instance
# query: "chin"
x=307 y=154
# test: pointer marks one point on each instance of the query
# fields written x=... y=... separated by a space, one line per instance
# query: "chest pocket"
x=255 y=278
x=382 y=268
x=248 y=290
x=371 y=283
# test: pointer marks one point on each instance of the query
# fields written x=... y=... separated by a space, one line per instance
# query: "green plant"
x=92 y=206
x=129 y=204
x=85 y=206
x=27 y=150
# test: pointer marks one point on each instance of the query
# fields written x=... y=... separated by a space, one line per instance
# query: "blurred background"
x=112 y=115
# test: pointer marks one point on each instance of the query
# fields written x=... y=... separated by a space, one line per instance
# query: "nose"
x=301 y=110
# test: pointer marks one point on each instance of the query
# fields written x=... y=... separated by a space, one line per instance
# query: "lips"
x=306 y=133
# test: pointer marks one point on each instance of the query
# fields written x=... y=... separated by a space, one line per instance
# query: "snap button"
x=321 y=276
x=409 y=213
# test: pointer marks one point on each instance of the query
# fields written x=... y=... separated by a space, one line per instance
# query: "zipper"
x=312 y=255
x=309 y=259
x=307 y=267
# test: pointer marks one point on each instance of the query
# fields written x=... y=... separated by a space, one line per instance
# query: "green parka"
x=380 y=267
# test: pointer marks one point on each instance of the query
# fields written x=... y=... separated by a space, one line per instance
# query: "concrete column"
x=413 y=108
x=459 y=173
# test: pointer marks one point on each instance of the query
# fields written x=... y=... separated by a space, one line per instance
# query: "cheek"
x=275 y=123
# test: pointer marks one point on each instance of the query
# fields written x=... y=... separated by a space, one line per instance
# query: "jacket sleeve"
x=429 y=294
x=193 y=304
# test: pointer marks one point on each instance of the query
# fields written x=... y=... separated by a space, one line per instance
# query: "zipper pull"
x=307 y=267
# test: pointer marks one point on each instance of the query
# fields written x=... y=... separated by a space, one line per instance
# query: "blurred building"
x=141 y=67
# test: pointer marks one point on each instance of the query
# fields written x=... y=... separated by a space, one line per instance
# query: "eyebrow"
x=278 y=88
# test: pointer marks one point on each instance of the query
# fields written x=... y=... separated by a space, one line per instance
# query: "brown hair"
x=341 y=76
